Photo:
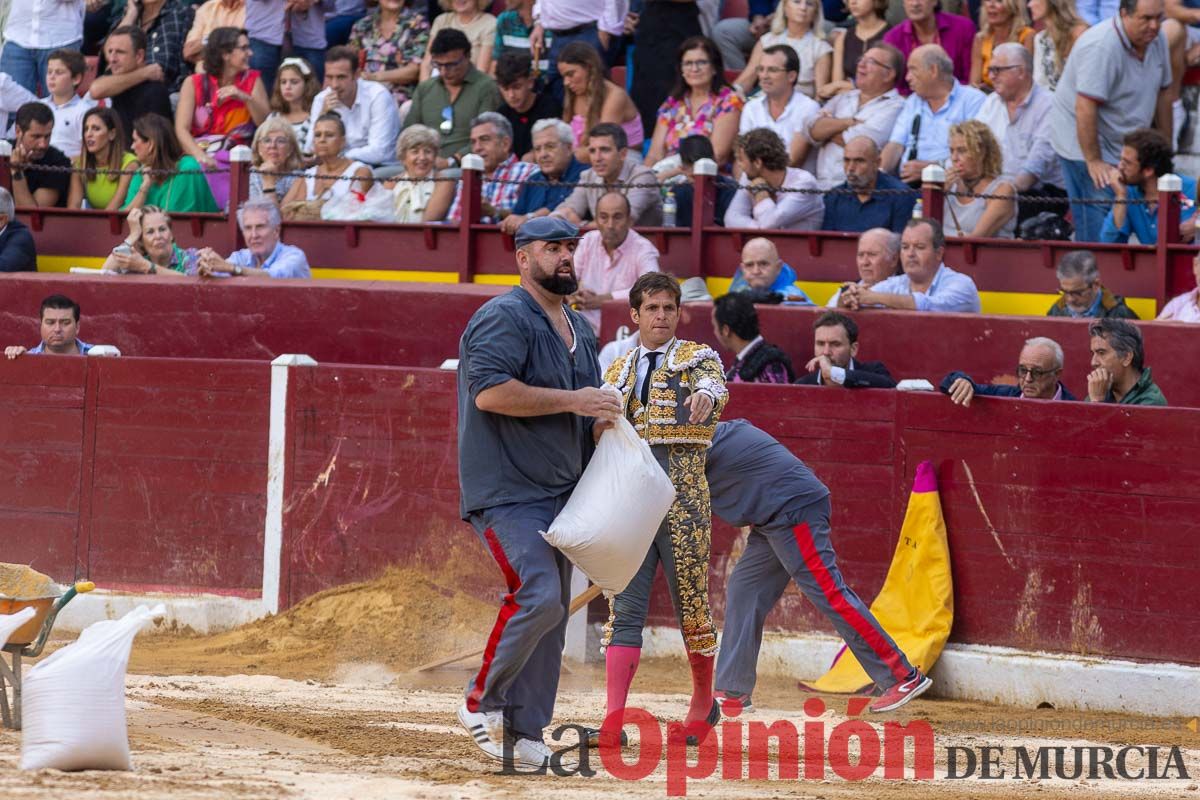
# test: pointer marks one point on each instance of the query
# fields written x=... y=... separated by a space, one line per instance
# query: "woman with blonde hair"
x=979 y=201
x=417 y=149
x=275 y=150
x=1052 y=44
x=150 y=247
x=800 y=24
x=472 y=18
x=1000 y=21
x=864 y=31
x=589 y=98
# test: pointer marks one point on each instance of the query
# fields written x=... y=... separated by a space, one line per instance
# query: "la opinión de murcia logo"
x=854 y=750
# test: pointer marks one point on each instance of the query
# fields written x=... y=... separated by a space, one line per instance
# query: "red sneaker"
x=900 y=693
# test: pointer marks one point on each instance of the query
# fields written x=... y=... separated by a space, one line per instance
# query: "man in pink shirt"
x=927 y=25
x=610 y=258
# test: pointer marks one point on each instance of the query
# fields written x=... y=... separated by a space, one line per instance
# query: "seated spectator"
x=926 y=285
x=590 y=98
x=274 y=151
x=292 y=98
x=735 y=37
x=551 y=184
x=768 y=197
x=855 y=206
x=150 y=247
x=1145 y=157
x=210 y=15
x=1059 y=27
x=921 y=134
x=523 y=105
x=334 y=175
x=863 y=33
x=976 y=167
x=64 y=71
x=447 y=103
x=169 y=178
x=1017 y=114
x=763 y=270
x=1185 y=307
x=471 y=18
x=1038 y=369
x=779 y=107
x=612 y=164
x=954 y=34
x=166 y=25
x=366 y=108
x=610 y=258
x=17 y=250
x=132 y=86
x=503 y=174
x=391 y=42
x=264 y=254
x=417 y=150
x=691 y=150
x=869 y=109
x=735 y=324
x=1119 y=374
x=220 y=107
x=103 y=157
x=59 y=317
x=877 y=258
x=32 y=153
x=1000 y=22
x=800 y=25
x=1082 y=293
x=701 y=104
x=835 y=345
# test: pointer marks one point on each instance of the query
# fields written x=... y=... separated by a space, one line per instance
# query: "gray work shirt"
x=1104 y=67
x=503 y=459
x=753 y=479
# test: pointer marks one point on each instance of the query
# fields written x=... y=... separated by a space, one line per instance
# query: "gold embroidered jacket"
x=687 y=368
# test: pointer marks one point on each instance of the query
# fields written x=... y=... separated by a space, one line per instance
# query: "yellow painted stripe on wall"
x=64 y=263
x=498 y=280
x=408 y=276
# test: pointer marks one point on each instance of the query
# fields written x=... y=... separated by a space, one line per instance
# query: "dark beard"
x=559 y=284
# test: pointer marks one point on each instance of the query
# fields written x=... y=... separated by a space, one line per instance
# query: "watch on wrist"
x=153 y=269
x=237 y=270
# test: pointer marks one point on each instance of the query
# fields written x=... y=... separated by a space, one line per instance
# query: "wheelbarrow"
x=27 y=641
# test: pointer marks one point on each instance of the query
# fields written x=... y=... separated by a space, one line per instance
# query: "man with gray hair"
x=17 y=250
x=503 y=173
x=921 y=134
x=877 y=258
x=264 y=254
x=1119 y=372
x=1018 y=115
x=1082 y=293
x=1038 y=369
x=551 y=183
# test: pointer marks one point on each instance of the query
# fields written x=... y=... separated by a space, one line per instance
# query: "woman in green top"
x=169 y=179
x=103 y=157
x=150 y=247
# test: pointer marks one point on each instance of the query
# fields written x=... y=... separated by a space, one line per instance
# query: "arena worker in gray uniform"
x=754 y=480
x=528 y=396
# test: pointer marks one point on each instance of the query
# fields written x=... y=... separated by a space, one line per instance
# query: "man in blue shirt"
x=546 y=189
x=1145 y=157
x=60 y=330
x=855 y=206
x=926 y=285
x=264 y=255
x=764 y=271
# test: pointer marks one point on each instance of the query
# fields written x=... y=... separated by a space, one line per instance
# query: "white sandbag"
x=10 y=622
x=608 y=524
x=73 y=703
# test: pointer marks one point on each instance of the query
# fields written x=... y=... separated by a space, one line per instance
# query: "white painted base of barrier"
x=202 y=613
x=996 y=674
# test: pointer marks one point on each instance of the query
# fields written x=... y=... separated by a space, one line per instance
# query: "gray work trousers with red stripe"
x=798 y=549
x=523 y=655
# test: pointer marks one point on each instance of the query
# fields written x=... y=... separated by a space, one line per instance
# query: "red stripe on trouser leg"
x=837 y=601
x=508 y=607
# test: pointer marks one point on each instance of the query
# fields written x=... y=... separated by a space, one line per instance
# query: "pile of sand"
x=403 y=619
x=19 y=582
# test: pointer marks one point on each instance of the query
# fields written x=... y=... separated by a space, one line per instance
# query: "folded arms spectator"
x=1145 y=157
x=59 y=321
x=169 y=178
x=1039 y=368
x=834 y=362
x=612 y=164
x=927 y=284
x=735 y=324
x=370 y=115
x=773 y=195
x=17 y=250
x=40 y=172
x=763 y=270
x=1119 y=374
x=264 y=254
x=166 y=25
x=132 y=86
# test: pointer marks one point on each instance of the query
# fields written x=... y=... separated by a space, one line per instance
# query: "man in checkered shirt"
x=503 y=172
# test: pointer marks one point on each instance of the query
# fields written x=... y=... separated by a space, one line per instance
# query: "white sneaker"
x=486 y=729
x=531 y=753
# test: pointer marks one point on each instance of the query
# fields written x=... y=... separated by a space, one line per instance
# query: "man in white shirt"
x=779 y=106
x=366 y=107
x=870 y=110
x=764 y=200
x=610 y=258
x=35 y=29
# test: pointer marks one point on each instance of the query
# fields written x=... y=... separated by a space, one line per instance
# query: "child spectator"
x=292 y=97
x=64 y=71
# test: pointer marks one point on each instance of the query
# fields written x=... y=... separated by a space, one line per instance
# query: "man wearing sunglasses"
x=1082 y=293
x=1038 y=370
